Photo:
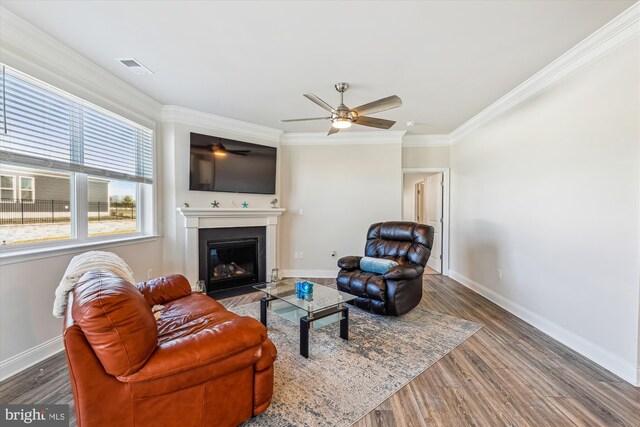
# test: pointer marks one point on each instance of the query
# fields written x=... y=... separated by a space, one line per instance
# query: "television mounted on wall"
x=231 y=166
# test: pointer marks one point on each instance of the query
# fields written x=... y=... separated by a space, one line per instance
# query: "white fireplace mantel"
x=196 y=218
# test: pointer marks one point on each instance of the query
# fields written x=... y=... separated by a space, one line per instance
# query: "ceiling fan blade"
x=311 y=97
x=378 y=106
x=333 y=130
x=302 y=120
x=374 y=122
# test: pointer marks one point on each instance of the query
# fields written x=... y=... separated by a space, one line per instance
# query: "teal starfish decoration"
x=245 y=205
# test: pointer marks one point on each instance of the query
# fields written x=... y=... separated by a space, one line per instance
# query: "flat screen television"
x=227 y=165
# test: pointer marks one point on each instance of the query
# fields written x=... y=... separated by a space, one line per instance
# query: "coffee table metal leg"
x=264 y=303
x=344 y=324
x=304 y=337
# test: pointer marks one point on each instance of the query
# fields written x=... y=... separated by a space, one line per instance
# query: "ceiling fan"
x=220 y=150
x=343 y=117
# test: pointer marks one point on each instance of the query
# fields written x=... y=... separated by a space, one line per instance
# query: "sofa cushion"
x=116 y=321
x=161 y=290
x=363 y=284
x=190 y=315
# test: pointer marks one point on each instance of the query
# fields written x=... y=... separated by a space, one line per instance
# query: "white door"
x=434 y=218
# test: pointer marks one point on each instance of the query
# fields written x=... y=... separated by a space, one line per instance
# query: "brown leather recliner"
x=198 y=365
x=399 y=289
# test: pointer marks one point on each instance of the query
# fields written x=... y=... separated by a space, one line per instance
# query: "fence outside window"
x=42 y=211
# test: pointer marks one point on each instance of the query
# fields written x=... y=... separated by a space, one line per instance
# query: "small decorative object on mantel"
x=233 y=204
x=245 y=205
x=215 y=204
x=186 y=205
x=274 y=203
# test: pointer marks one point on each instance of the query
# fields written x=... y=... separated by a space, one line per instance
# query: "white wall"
x=342 y=189
x=549 y=193
x=426 y=157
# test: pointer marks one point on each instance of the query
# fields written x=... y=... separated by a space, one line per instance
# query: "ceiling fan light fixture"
x=342 y=117
x=219 y=150
x=341 y=123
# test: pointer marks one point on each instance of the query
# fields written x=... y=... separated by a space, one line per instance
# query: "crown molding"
x=615 y=33
x=426 y=141
x=186 y=116
x=351 y=138
x=34 y=52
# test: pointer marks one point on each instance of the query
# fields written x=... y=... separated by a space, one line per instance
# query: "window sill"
x=23 y=255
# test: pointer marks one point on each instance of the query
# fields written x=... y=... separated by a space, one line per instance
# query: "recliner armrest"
x=205 y=347
x=404 y=272
x=349 y=262
x=162 y=290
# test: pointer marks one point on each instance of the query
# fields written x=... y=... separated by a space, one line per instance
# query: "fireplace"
x=232 y=257
x=232 y=261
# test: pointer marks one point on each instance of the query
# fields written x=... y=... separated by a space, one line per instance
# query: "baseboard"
x=588 y=349
x=328 y=274
x=434 y=265
x=11 y=366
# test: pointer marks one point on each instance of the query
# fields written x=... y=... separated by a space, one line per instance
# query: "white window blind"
x=43 y=126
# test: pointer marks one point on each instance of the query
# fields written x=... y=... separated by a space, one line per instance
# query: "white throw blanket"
x=83 y=263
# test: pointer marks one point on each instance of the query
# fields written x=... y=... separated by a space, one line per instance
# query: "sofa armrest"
x=206 y=347
x=404 y=272
x=164 y=289
x=349 y=262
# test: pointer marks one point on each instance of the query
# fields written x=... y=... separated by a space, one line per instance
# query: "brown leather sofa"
x=399 y=289
x=198 y=365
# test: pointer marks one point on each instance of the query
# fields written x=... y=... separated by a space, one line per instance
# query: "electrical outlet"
x=295 y=255
x=301 y=255
x=300 y=211
x=149 y=273
x=499 y=274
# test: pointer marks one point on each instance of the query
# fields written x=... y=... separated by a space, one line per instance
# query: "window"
x=27 y=189
x=112 y=207
x=7 y=188
x=70 y=169
x=29 y=220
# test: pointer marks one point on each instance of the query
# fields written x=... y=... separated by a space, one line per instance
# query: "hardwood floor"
x=508 y=373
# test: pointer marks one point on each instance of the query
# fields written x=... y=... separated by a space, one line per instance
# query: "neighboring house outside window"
x=7 y=188
x=27 y=189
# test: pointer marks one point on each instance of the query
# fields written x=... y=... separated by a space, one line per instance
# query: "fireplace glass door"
x=232 y=263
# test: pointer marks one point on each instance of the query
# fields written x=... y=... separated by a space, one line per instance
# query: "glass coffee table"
x=323 y=306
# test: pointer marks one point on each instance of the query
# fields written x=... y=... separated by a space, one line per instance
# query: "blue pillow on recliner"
x=376 y=265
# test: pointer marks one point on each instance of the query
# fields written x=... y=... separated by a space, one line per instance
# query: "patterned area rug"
x=344 y=380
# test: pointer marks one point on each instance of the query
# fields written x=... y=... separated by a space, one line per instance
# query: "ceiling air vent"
x=135 y=66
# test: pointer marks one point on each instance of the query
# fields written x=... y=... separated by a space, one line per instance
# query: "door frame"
x=415 y=205
x=445 y=210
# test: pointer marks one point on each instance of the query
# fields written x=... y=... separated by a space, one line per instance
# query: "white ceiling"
x=252 y=61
